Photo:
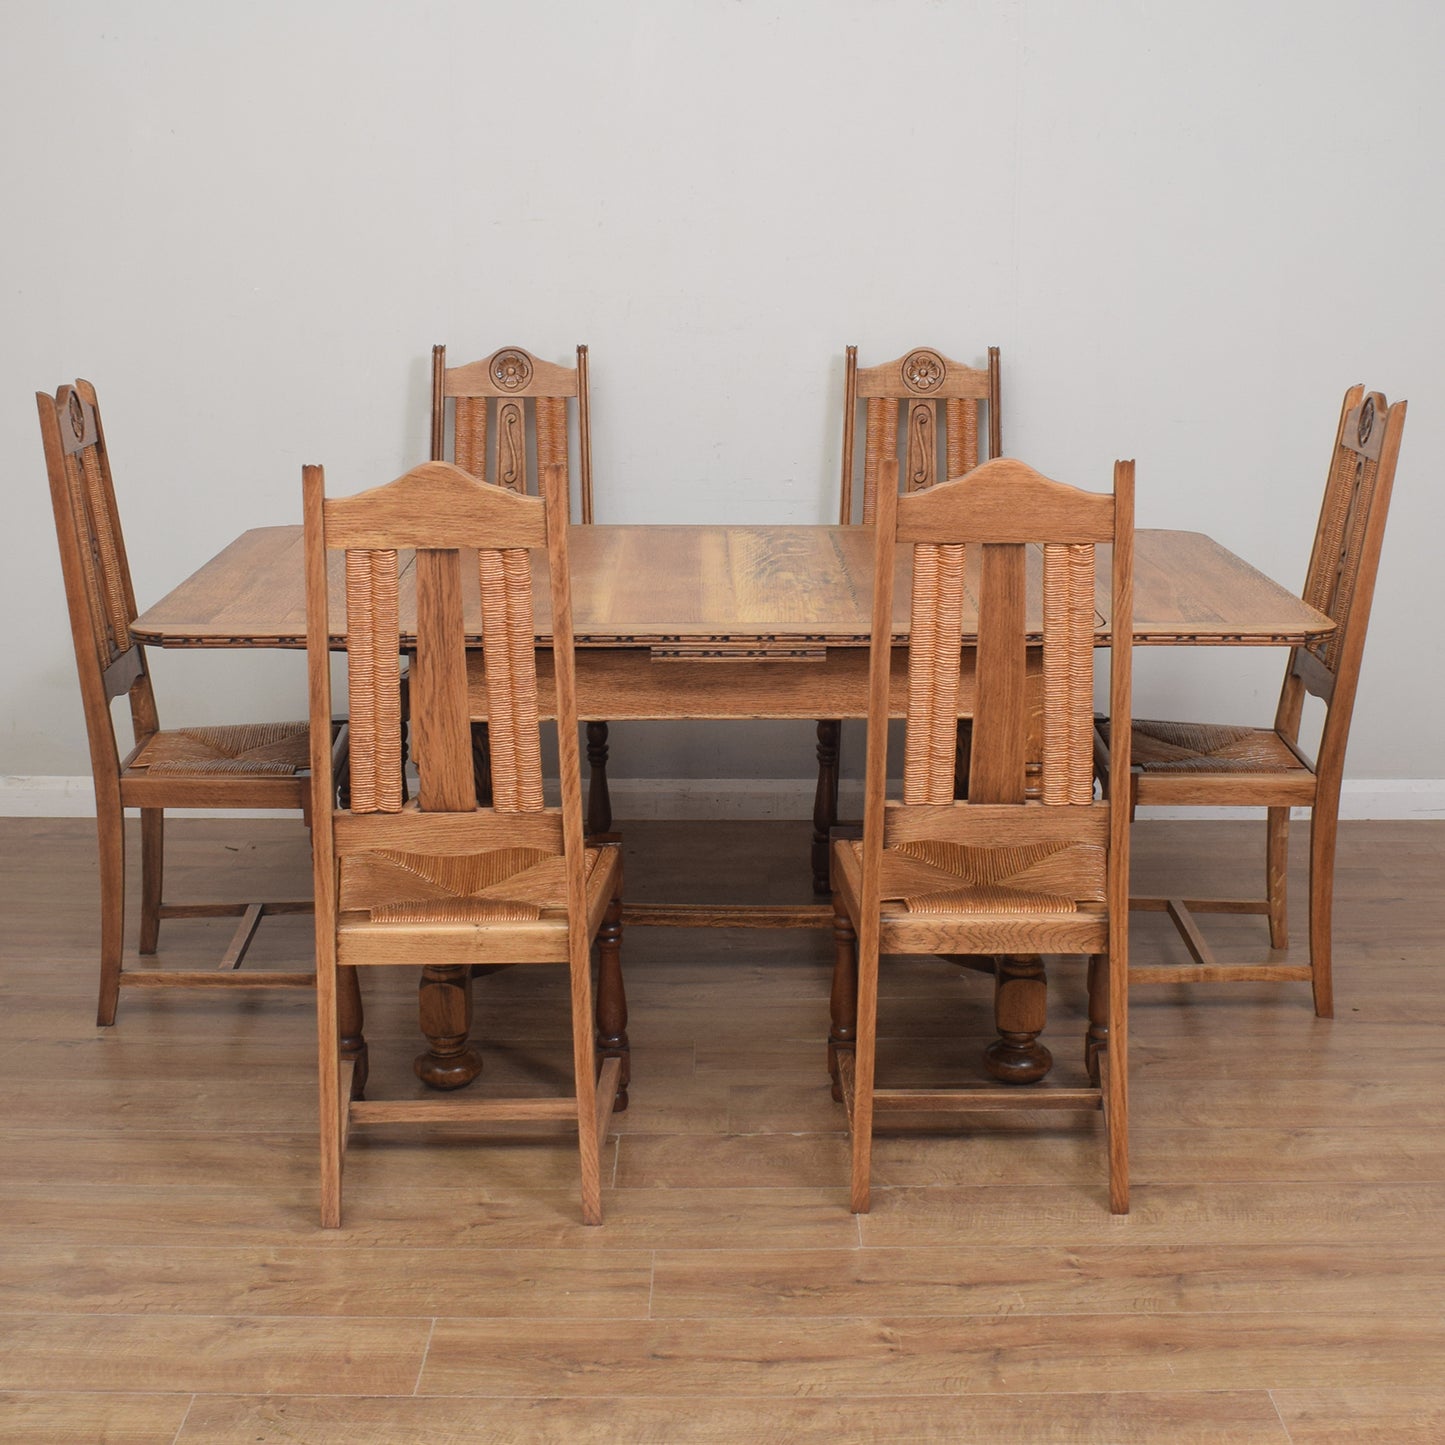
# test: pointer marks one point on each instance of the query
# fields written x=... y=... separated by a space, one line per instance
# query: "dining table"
x=712 y=622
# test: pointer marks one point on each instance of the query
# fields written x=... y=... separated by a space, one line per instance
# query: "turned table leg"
x=1020 y=1004
x=445 y=999
x=599 y=800
x=825 y=800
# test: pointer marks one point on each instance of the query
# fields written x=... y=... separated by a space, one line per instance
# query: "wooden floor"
x=1281 y=1277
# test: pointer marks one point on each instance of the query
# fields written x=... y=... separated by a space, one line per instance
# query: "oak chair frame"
x=491 y=403
x=1269 y=768
x=903 y=398
x=214 y=767
x=416 y=883
x=1029 y=862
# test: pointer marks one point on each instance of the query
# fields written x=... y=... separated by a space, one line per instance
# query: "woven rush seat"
x=512 y=885
x=271 y=750
x=1189 y=747
x=938 y=878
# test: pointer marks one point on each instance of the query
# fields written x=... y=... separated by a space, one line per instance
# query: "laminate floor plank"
x=1093 y=1279
x=509 y=1217
x=281 y=1281
x=962 y=1354
x=212 y=1353
x=1412 y=1416
x=1251 y=1212
x=1215 y=1417
x=79 y=1418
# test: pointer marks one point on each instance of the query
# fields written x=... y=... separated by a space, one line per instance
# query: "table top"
x=767 y=587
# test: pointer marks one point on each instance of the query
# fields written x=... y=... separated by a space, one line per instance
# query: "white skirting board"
x=1395 y=798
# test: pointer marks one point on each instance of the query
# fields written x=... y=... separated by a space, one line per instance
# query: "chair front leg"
x=349 y=1023
x=843 y=1001
x=612 y=999
x=110 y=830
x=1276 y=875
x=1096 y=1036
x=1324 y=827
x=152 y=872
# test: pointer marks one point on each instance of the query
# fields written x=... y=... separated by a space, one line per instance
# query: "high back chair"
x=906 y=404
x=441 y=880
x=1183 y=763
x=509 y=420
x=251 y=765
x=1030 y=862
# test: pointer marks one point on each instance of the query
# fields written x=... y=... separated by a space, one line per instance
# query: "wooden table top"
x=773 y=588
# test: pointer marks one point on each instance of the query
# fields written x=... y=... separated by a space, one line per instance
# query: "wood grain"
x=1279 y=1276
x=645 y=584
x=1143 y=1418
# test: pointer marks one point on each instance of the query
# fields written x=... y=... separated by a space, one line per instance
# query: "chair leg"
x=1324 y=824
x=825 y=800
x=1114 y=1066
x=110 y=828
x=584 y=1065
x=865 y=1055
x=612 y=999
x=152 y=871
x=331 y=1104
x=1096 y=1036
x=349 y=1022
x=843 y=1002
x=599 y=799
x=1276 y=874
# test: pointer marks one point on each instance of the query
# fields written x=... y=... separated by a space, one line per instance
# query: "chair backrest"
x=510 y=418
x=1031 y=780
x=443 y=847
x=97 y=576
x=901 y=399
x=1343 y=567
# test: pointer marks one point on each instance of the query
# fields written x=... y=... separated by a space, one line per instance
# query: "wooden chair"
x=509 y=419
x=252 y=765
x=442 y=880
x=1181 y=763
x=901 y=399
x=1029 y=863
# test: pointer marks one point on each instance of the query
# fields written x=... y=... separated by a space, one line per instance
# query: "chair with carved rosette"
x=1183 y=763
x=910 y=406
x=509 y=419
x=249 y=765
x=1029 y=863
x=443 y=881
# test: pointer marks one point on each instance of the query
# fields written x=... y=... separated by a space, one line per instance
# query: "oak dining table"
x=708 y=623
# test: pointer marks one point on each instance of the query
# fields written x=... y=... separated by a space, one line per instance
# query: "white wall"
x=1188 y=227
